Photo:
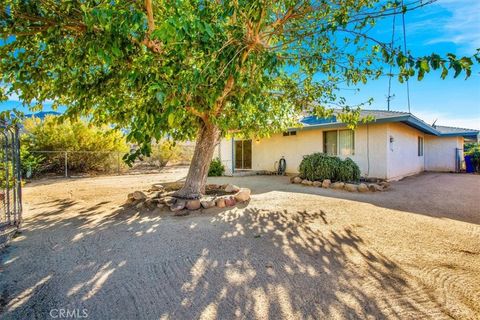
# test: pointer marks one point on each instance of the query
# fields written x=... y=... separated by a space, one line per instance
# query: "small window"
x=289 y=133
x=339 y=142
x=420 y=146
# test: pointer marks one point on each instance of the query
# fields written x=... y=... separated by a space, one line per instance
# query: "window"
x=289 y=133
x=420 y=146
x=339 y=142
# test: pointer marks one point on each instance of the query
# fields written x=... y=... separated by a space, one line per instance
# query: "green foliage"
x=31 y=163
x=199 y=61
x=216 y=169
x=348 y=171
x=166 y=151
x=474 y=151
x=98 y=147
x=320 y=166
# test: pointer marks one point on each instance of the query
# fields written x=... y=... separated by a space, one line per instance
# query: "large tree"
x=190 y=69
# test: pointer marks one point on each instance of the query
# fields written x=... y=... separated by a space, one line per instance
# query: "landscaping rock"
x=160 y=205
x=220 y=203
x=297 y=180
x=362 y=187
x=150 y=204
x=157 y=187
x=230 y=201
x=193 y=204
x=243 y=195
x=351 y=187
x=337 y=185
x=384 y=184
x=326 y=183
x=206 y=204
x=178 y=205
x=307 y=182
x=378 y=187
x=168 y=200
x=231 y=188
x=139 y=195
x=140 y=205
x=317 y=184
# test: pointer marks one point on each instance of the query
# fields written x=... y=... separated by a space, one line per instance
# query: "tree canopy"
x=167 y=68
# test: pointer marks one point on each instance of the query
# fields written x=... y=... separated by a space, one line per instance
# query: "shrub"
x=474 y=151
x=348 y=171
x=216 y=169
x=166 y=151
x=320 y=166
x=98 y=148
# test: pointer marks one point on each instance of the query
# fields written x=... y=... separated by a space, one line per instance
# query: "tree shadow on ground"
x=239 y=263
x=443 y=195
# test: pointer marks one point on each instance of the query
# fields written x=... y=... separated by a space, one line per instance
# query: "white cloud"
x=462 y=27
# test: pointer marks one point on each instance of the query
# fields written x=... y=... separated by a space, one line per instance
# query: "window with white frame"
x=420 y=146
x=339 y=142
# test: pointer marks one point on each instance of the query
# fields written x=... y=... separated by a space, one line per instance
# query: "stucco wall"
x=224 y=151
x=265 y=152
x=402 y=153
x=440 y=152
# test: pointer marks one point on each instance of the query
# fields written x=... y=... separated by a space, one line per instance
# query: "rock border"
x=163 y=199
x=373 y=185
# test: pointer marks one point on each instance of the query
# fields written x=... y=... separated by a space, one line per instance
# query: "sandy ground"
x=294 y=252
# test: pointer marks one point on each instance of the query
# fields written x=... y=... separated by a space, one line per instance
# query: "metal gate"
x=10 y=177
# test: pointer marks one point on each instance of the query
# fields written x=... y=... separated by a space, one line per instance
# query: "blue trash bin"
x=469 y=164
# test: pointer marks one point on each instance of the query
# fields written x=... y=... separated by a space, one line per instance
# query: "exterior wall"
x=374 y=153
x=224 y=152
x=440 y=153
x=402 y=154
x=370 y=154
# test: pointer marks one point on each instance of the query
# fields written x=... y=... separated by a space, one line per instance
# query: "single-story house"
x=394 y=145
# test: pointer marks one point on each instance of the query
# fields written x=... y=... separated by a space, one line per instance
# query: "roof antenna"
x=433 y=124
x=390 y=74
x=405 y=51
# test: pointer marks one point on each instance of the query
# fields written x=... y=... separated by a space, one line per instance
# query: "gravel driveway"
x=293 y=252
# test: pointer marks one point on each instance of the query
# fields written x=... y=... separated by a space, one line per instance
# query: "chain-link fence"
x=84 y=163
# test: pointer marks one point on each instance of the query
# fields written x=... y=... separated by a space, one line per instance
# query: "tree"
x=190 y=69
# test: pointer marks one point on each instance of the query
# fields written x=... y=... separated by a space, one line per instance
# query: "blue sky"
x=445 y=26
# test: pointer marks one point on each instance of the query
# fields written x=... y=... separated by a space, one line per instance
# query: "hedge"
x=320 y=166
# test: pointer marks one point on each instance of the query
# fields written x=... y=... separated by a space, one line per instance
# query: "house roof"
x=382 y=116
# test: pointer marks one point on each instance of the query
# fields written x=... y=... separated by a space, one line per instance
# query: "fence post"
x=66 y=164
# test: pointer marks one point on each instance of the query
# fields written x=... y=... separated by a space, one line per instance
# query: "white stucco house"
x=394 y=145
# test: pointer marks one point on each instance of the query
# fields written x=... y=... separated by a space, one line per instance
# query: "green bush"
x=474 y=151
x=98 y=149
x=216 y=169
x=320 y=166
x=166 y=151
x=348 y=171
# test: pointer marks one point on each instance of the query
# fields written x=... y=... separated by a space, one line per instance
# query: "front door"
x=243 y=154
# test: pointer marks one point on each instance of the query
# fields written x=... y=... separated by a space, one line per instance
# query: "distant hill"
x=41 y=115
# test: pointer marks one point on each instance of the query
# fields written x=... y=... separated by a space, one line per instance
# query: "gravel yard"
x=293 y=252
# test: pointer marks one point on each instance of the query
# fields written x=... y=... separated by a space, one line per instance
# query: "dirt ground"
x=293 y=252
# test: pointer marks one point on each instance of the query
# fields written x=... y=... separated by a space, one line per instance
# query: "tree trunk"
x=194 y=187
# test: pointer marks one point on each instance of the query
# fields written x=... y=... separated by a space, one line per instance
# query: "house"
x=394 y=145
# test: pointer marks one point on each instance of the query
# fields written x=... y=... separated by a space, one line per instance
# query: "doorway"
x=243 y=154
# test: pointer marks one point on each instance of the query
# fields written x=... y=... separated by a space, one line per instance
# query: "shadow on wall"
x=248 y=263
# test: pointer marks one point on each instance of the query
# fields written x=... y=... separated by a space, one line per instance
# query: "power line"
x=389 y=96
x=405 y=52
